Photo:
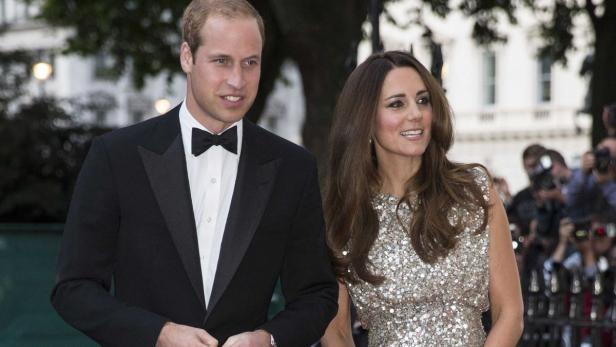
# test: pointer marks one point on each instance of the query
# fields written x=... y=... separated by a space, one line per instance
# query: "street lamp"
x=41 y=71
x=162 y=105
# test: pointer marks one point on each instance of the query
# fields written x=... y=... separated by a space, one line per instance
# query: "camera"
x=517 y=240
x=607 y=230
x=541 y=176
x=603 y=160
x=518 y=245
x=581 y=230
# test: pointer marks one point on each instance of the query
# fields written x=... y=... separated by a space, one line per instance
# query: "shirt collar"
x=188 y=121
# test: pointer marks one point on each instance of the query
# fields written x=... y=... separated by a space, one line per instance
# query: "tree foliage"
x=41 y=155
x=322 y=37
x=42 y=147
x=15 y=71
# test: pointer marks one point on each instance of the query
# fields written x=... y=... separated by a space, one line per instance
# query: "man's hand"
x=176 y=335
x=588 y=166
x=258 y=338
x=588 y=163
x=565 y=230
x=602 y=178
x=554 y=194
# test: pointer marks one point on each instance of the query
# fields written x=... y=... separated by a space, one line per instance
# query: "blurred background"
x=523 y=77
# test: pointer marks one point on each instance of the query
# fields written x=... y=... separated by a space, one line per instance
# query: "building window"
x=489 y=78
x=19 y=12
x=103 y=66
x=545 y=79
x=3 y=16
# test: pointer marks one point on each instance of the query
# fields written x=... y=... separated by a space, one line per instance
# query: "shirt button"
x=209 y=219
x=213 y=180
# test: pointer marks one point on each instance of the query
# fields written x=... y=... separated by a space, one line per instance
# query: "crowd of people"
x=563 y=224
x=566 y=216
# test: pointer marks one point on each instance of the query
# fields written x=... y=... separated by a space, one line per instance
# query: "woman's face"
x=404 y=117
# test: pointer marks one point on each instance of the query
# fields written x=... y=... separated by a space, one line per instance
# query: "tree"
x=41 y=155
x=557 y=33
x=42 y=147
x=320 y=36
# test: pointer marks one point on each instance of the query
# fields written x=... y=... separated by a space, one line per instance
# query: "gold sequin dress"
x=420 y=304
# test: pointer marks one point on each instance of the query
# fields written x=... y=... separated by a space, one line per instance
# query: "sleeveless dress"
x=419 y=304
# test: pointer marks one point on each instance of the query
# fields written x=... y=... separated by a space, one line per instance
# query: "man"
x=193 y=230
x=523 y=207
x=592 y=189
x=550 y=186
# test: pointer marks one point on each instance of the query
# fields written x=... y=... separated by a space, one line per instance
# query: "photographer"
x=522 y=209
x=592 y=188
x=548 y=176
x=549 y=183
x=591 y=244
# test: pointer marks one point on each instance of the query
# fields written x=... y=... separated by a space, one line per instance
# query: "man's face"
x=529 y=165
x=223 y=74
x=610 y=144
x=559 y=171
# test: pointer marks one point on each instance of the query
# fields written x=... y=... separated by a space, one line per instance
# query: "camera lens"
x=602 y=159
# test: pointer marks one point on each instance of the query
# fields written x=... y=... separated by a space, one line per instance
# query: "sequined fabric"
x=420 y=304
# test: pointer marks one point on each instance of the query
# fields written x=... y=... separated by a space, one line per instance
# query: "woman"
x=420 y=243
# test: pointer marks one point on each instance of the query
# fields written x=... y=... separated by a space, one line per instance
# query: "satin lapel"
x=255 y=178
x=169 y=181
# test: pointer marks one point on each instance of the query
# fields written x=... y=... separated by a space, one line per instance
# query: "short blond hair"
x=198 y=11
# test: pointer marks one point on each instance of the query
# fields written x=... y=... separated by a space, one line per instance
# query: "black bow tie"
x=202 y=140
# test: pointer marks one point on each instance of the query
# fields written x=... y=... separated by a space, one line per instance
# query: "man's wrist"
x=267 y=337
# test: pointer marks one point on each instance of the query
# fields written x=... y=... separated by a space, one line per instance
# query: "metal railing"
x=565 y=310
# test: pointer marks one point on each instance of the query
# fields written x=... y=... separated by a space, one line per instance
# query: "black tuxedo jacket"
x=129 y=260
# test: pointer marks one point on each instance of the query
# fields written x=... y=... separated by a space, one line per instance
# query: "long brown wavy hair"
x=352 y=178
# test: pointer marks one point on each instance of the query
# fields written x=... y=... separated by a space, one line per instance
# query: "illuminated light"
x=444 y=71
x=162 y=105
x=42 y=71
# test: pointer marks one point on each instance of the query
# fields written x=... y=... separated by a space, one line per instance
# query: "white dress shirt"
x=211 y=177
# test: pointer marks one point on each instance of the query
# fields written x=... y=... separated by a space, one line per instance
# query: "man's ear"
x=186 y=57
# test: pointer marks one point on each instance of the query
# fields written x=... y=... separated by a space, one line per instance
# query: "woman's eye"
x=424 y=100
x=396 y=104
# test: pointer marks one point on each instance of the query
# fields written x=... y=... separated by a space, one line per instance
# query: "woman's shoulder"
x=481 y=177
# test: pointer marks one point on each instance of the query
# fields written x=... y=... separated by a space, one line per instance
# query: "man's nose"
x=236 y=77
